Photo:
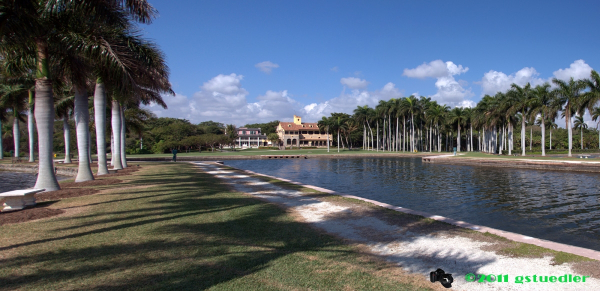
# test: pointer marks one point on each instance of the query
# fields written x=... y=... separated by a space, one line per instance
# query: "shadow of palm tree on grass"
x=188 y=232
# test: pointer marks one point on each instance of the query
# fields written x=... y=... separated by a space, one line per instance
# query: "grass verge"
x=170 y=227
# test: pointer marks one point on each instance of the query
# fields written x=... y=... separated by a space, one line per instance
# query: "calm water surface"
x=14 y=181
x=553 y=205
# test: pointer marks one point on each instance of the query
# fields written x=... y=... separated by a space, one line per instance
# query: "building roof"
x=303 y=126
x=246 y=128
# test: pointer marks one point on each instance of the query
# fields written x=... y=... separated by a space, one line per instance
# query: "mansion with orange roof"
x=300 y=133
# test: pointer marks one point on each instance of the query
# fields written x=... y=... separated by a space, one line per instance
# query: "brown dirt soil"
x=39 y=211
x=126 y=171
x=65 y=193
x=98 y=182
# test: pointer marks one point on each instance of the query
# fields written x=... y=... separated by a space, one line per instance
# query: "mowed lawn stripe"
x=170 y=227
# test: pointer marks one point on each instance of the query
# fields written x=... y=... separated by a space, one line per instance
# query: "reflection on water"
x=15 y=181
x=552 y=205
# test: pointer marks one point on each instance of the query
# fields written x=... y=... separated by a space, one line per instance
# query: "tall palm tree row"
x=97 y=32
x=420 y=123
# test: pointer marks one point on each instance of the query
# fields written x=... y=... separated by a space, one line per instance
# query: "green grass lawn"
x=169 y=227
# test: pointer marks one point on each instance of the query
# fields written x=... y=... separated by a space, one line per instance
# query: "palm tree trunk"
x=458 y=139
x=397 y=129
x=338 y=140
x=530 y=137
x=377 y=135
x=67 y=134
x=116 y=132
x=412 y=133
x=89 y=147
x=430 y=144
x=391 y=138
x=551 y=138
x=30 y=129
x=543 y=137
x=44 y=116
x=581 y=130
x=1 y=146
x=82 y=119
x=100 y=119
x=16 y=132
x=569 y=129
x=112 y=148
x=327 y=138
x=471 y=140
x=364 y=136
x=404 y=134
x=123 y=133
x=446 y=141
x=439 y=138
x=383 y=142
x=511 y=145
x=523 y=134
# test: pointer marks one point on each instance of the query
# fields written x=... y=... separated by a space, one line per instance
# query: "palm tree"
x=13 y=97
x=521 y=96
x=361 y=114
x=64 y=108
x=26 y=24
x=436 y=114
x=568 y=95
x=2 y=118
x=595 y=115
x=337 y=119
x=591 y=98
x=541 y=104
x=458 y=116
x=581 y=125
x=382 y=110
x=324 y=125
x=30 y=127
x=409 y=106
x=348 y=127
x=551 y=125
x=136 y=118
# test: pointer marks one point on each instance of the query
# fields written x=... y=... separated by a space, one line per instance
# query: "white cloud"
x=335 y=69
x=578 y=70
x=354 y=83
x=449 y=91
x=347 y=102
x=494 y=81
x=266 y=66
x=467 y=103
x=435 y=69
x=225 y=84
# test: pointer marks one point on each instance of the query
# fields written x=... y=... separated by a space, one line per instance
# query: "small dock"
x=284 y=157
x=431 y=159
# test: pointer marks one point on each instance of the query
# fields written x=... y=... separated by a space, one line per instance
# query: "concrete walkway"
x=414 y=252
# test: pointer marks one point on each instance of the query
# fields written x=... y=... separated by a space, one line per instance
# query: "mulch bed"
x=39 y=211
x=65 y=193
x=68 y=190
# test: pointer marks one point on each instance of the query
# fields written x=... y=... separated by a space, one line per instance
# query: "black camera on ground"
x=440 y=275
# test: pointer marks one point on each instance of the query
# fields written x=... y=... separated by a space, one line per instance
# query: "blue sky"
x=256 y=61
